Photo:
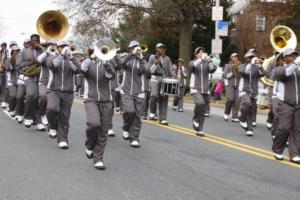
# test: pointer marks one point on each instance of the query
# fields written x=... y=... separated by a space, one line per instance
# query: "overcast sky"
x=18 y=18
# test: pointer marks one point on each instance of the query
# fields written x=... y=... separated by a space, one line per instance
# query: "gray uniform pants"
x=248 y=110
x=275 y=121
x=178 y=99
x=21 y=92
x=232 y=101
x=146 y=105
x=2 y=86
x=288 y=129
x=31 y=100
x=58 y=113
x=200 y=101
x=12 y=97
x=97 y=115
x=132 y=113
x=111 y=113
x=42 y=99
x=162 y=101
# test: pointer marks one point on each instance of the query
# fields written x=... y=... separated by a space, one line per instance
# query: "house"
x=252 y=23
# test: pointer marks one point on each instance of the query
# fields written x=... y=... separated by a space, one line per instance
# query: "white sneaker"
x=164 y=122
x=12 y=113
x=111 y=133
x=235 y=120
x=28 y=123
x=226 y=117
x=89 y=153
x=44 y=120
x=40 y=127
x=135 y=144
x=99 y=165
x=296 y=159
x=244 y=124
x=269 y=125
x=278 y=156
x=151 y=116
x=125 y=135
x=175 y=107
x=19 y=118
x=207 y=115
x=63 y=145
x=200 y=133
x=249 y=133
x=52 y=133
x=3 y=105
x=254 y=124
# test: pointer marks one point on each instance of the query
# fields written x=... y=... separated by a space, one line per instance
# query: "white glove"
x=93 y=56
x=297 y=61
x=197 y=62
x=205 y=57
x=67 y=52
x=254 y=61
x=136 y=50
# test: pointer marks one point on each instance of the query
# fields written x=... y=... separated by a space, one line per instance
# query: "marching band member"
x=288 y=111
x=98 y=107
x=21 y=91
x=3 y=58
x=28 y=58
x=160 y=66
x=200 y=67
x=269 y=75
x=279 y=63
x=147 y=80
x=181 y=76
x=12 y=78
x=44 y=79
x=250 y=73
x=133 y=93
x=61 y=93
x=231 y=80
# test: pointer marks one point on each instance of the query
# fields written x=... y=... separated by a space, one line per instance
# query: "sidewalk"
x=188 y=100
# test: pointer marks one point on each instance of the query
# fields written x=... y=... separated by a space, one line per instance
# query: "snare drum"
x=169 y=87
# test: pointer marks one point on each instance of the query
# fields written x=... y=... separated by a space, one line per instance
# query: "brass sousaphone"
x=51 y=25
x=281 y=37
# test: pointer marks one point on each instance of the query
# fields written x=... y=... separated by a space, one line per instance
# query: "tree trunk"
x=185 y=42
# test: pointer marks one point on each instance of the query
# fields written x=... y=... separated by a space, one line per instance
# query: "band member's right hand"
x=297 y=61
x=157 y=61
x=254 y=61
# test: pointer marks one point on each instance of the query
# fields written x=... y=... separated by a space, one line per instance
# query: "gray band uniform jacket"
x=133 y=76
x=288 y=84
x=98 y=79
x=12 y=73
x=229 y=79
x=200 y=70
x=63 y=70
x=44 y=59
x=250 y=74
x=162 y=70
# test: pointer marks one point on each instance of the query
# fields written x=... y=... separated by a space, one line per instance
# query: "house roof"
x=238 y=6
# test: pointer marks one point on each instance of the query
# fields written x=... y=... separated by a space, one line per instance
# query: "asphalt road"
x=171 y=164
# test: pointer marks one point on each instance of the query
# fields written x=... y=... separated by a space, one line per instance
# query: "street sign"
x=216 y=46
x=217 y=13
x=222 y=28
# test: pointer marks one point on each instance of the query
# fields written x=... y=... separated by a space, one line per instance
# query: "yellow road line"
x=219 y=140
